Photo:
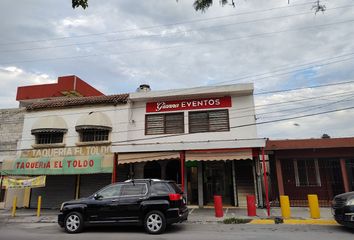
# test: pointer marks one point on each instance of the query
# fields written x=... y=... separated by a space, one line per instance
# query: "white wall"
x=118 y=115
x=128 y=133
x=241 y=113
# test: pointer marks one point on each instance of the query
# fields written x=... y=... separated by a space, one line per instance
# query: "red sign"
x=203 y=103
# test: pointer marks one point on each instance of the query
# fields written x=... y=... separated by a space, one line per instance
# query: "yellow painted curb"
x=262 y=221
x=311 y=221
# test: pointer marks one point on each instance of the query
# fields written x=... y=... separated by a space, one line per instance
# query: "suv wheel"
x=155 y=222
x=73 y=222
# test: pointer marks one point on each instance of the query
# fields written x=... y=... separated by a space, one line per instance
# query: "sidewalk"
x=196 y=216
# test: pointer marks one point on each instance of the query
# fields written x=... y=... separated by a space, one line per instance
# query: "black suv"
x=148 y=202
x=343 y=209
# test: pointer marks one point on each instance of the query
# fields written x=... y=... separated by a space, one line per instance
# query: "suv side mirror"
x=97 y=196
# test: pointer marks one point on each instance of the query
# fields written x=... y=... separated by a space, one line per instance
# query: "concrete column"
x=258 y=176
x=344 y=175
x=200 y=184
x=279 y=176
x=234 y=183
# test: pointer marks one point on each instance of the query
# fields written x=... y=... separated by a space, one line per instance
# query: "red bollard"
x=251 y=205
x=218 y=206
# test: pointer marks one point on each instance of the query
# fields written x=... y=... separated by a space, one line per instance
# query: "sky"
x=117 y=45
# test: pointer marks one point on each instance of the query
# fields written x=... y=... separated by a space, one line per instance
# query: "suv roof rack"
x=144 y=179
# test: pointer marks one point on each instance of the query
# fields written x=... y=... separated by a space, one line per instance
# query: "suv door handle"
x=115 y=200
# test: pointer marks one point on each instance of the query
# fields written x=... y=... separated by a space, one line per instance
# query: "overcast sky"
x=117 y=45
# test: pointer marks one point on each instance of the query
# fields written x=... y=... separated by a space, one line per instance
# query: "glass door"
x=217 y=181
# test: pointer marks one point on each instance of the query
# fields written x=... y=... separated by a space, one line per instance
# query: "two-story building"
x=204 y=138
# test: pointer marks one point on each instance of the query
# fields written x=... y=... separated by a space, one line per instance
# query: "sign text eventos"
x=190 y=104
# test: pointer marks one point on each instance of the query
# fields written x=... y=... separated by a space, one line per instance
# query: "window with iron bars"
x=49 y=137
x=94 y=135
x=307 y=173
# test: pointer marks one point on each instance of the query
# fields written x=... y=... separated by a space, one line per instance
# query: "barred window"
x=307 y=173
x=49 y=137
x=164 y=123
x=209 y=121
x=94 y=135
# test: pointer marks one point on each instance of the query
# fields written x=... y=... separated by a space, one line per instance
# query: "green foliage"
x=202 y=5
x=234 y=220
x=80 y=3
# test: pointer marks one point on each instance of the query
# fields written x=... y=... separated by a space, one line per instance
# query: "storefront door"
x=192 y=182
x=218 y=181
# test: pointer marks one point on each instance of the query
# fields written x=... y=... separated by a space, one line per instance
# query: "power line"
x=160 y=35
x=180 y=45
x=236 y=117
x=185 y=90
x=157 y=26
x=238 y=110
x=115 y=143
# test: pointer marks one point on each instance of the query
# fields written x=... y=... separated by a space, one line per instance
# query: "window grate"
x=49 y=138
x=94 y=135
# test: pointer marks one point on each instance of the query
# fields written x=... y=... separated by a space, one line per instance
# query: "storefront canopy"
x=49 y=124
x=217 y=155
x=95 y=120
x=124 y=158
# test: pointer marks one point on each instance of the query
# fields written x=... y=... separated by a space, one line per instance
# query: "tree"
x=80 y=3
x=203 y=5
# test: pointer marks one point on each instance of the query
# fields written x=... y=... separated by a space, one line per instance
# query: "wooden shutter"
x=155 y=124
x=174 y=123
x=164 y=123
x=209 y=121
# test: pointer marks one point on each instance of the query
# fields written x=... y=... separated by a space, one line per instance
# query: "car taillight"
x=175 y=196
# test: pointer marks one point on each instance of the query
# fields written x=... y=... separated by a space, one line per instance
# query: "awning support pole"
x=182 y=157
x=265 y=183
x=115 y=163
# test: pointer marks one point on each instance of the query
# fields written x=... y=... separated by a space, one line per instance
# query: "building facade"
x=203 y=138
x=69 y=142
x=311 y=166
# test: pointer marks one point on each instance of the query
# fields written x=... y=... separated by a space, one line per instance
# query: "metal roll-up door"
x=90 y=183
x=123 y=172
x=57 y=189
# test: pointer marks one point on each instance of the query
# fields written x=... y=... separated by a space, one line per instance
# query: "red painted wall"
x=65 y=83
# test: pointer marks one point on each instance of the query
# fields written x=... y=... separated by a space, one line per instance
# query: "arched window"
x=152 y=170
x=49 y=130
x=94 y=127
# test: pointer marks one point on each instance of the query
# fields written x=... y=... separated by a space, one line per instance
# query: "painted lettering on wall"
x=205 y=103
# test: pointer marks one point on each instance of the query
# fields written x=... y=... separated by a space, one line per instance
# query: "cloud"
x=117 y=45
x=13 y=77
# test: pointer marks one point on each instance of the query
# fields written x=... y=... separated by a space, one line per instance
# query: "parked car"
x=343 y=209
x=151 y=203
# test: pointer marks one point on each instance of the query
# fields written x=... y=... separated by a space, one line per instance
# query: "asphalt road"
x=45 y=231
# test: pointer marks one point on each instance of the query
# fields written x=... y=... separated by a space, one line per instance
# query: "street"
x=186 y=231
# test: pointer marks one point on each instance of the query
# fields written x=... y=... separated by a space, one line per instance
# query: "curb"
x=296 y=221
